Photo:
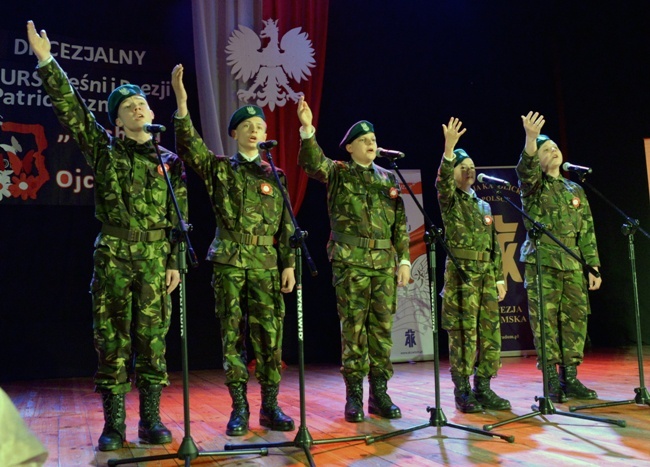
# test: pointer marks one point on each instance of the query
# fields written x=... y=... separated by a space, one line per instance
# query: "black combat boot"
x=150 y=429
x=353 y=400
x=572 y=386
x=555 y=392
x=271 y=415
x=238 y=423
x=114 y=432
x=465 y=400
x=487 y=397
x=379 y=402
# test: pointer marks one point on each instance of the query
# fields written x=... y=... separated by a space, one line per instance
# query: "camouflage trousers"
x=366 y=301
x=470 y=315
x=250 y=296
x=131 y=318
x=566 y=308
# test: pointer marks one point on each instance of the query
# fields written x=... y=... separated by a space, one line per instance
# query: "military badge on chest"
x=487 y=219
x=160 y=169
x=575 y=202
x=266 y=189
x=393 y=192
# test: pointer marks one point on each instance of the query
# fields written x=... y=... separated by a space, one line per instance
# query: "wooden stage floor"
x=66 y=416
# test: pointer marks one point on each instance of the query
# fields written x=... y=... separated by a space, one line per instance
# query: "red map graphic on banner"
x=22 y=165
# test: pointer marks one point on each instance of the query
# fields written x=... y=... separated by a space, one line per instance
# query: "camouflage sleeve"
x=178 y=180
x=313 y=161
x=401 y=239
x=72 y=112
x=445 y=184
x=287 y=254
x=587 y=236
x=192 y=149
x=529 y=173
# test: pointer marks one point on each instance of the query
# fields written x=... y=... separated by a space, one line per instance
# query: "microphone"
x=153 y=128
x=389 y=153
x=482 y=178
x=267 y=144
x=576 y=168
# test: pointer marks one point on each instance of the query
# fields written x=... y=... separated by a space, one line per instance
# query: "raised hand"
x=39 y=43
x=452 y=132
x=533 y=123
x=304 y=113
x=179 y=90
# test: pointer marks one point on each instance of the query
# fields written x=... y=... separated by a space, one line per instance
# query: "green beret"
x=461 y=155
x=118 y=95
x=356 y=130
x=244 y=113
x=541 y=139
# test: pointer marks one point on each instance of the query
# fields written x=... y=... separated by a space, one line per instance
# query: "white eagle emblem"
x=272 y=66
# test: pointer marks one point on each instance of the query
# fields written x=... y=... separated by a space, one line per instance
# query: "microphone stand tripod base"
x=642 y=398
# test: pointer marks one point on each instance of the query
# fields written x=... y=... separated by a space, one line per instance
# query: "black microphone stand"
x=629 y=228
x=303 y=438
x=187 y=450
x=545 y=405
x=433 y=234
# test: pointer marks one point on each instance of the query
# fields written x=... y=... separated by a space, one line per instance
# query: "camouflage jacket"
x=362 y=203
x=130 y=190
x=246 y=200
x=468 y=222
x=562 y=206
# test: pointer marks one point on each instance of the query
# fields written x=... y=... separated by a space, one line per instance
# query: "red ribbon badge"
x=393 y=192
x=266 y=189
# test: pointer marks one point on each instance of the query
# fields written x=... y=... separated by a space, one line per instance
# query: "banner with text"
x=516 y=335
x=39 y=162
x=412 y=327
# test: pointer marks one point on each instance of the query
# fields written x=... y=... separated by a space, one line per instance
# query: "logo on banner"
x=22 y=172
x=410 y=338
x=271 y=66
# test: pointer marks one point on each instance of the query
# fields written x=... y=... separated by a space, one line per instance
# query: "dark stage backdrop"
x=405 y=66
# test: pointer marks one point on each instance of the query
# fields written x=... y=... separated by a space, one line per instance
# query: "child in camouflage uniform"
x=562 y=206
x=135 y=267
x=368 y=236
x=470 y=312
x=251 y=217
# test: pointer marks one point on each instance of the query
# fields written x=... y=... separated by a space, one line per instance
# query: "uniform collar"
x=370 y=167
x=471 y=194
x=559 y=178
x=243 y=159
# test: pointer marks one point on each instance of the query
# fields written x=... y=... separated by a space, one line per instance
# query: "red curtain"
x=283 y=124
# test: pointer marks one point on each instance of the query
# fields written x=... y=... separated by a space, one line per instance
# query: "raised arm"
x=445 y=183
x=179 y=91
